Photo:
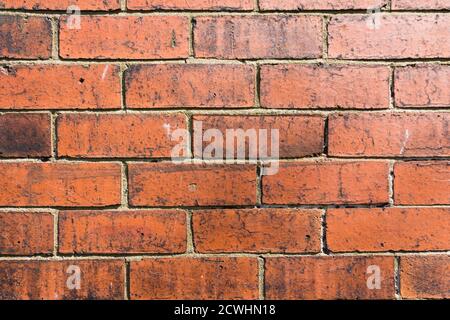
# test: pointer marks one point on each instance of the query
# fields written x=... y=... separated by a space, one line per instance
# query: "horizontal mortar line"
x=200 y=13
x=227 y=112
x=258 y=61
x=186 y=161
x=216 y=255
x=196 y=209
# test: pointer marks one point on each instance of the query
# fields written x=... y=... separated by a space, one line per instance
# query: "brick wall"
x=361 y=99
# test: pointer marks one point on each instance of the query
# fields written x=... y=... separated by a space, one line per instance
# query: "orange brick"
x=422 y=183
x=308 y=87
x=223 y=5
x=389 y=229
x=60 y=87
x=60 y=184
x=298 y=135
x=257 y=230
x=60 y=4
x=425 y=277
x=25 y=135
x=198 y=279
x=389 y=134
x=420 y=5
x=328 y=183
x=174 y=184
x=327 y=278
x=118 y=135
x=389 y=36
x=26 y=233
x=25 y=37
x=321 y=4
x=125 y=37
x=258 y=37
x=47 y=280
x=126 y=232
x=422 y=86
x=190 y=85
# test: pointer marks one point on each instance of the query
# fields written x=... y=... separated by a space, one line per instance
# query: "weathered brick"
x=389 y=134
x=60 y=184
x=26 y=233
x=60 y=4
x=122 y=232
x=389 y=36
x=257 y=37
x=422 y=183
x=422 y=86
x=176 y=184
x=420 y=5
x=25 y=37
x=321 y=4
x=328 y=183
x=257 y=230
x=25 y=135
x=190 y=85
x=321 y=87
x=389 y=229
x=60 y=87
x=223 y=5
x=47 y=280
x=327 y=278
x=118 y=135
x=125 y=37
x=298 y=135
x=198 y=279
x=425 y=277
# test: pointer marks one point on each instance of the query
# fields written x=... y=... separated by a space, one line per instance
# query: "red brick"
x=389 y=134
x=194 y=279
x=420 y=5
x=422 y=86
x=389 y=229
x=25 y=37
x=298 y=135
x=60 y=87
x=257 y=230
x=60 y=184
x=122 y=232
x=222 y=5
x=25 y=135
x=126 y=37
x=422 y=183
x=392 y=37
x=328 y=183
x=26 y=233
x=60 y=4
x=176 y=184
x=257 y=37
x=425 y=277
x=327 y=278
x=190 y=85
x=318 y=86
x=320 y=4
x=118 y=135
x=47 y=280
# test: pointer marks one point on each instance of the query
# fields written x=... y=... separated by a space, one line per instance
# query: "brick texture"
x=26 y=233
x=177 y=278
x=233 y=149
x=327 y=278
x=303 y=87
x=257 y=230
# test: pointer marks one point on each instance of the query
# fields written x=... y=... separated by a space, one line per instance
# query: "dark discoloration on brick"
x=25 y=135
x=46 y=280
x=25 y=37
